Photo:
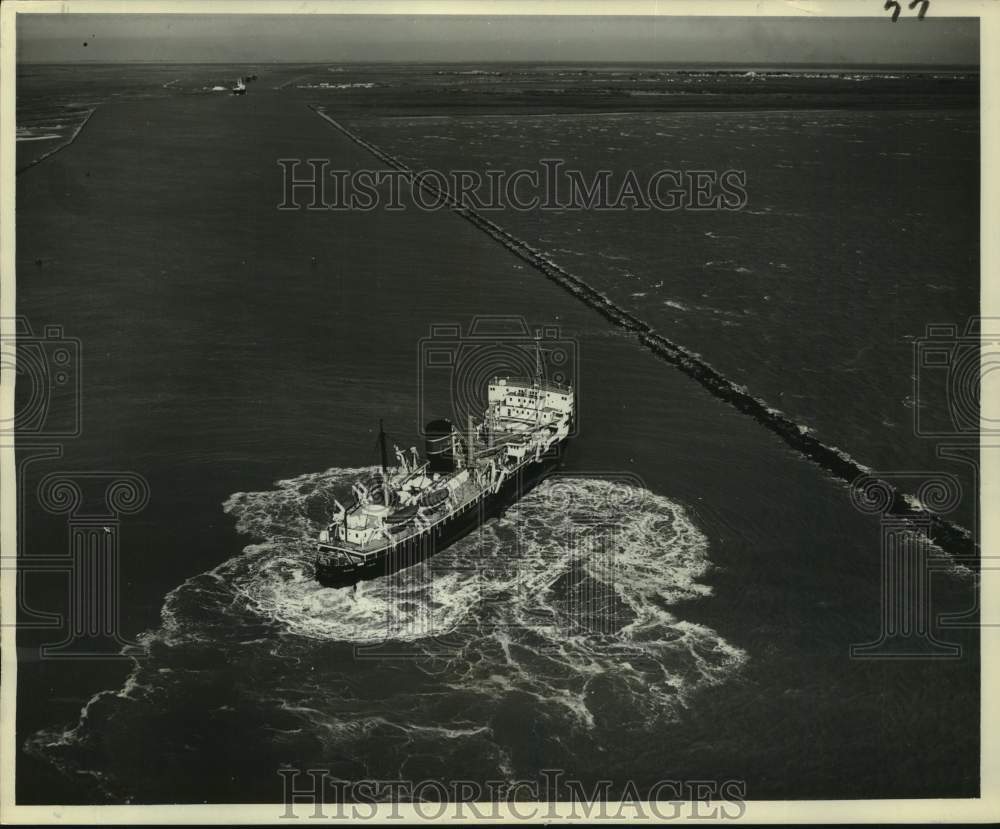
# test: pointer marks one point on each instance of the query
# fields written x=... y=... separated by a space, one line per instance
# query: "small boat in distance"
x=240 y=88
x=410 y=510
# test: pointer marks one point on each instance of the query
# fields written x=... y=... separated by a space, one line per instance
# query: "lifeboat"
x=401 y=516
x=433 y=498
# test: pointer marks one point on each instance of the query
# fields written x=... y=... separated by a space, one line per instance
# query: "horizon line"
x=489 y=62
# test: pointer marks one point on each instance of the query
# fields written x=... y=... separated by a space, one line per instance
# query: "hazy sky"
x=373 y=38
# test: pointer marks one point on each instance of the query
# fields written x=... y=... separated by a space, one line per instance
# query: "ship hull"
x=417 y=548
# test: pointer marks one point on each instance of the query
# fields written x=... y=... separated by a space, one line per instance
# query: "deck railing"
x=544 y=385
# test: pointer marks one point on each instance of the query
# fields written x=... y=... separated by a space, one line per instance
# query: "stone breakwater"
x=64 y=145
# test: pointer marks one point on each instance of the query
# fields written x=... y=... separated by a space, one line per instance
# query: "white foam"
x=566 y=599
x=30 y=137
x=629 y=553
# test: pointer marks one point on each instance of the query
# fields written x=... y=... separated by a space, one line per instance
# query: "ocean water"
x=53 y=101
x=678 y=603
x=861 y=229
x=517 y=615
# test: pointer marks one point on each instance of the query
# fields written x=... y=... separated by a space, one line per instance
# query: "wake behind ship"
x=407 y=512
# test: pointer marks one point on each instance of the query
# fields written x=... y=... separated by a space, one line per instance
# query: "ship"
x=240 y=88
x=417 y=506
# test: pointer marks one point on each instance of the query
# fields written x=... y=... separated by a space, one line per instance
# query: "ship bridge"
x=521 y=403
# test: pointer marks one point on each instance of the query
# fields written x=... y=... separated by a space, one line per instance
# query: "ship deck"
x=373 y=548
x=378 y=545
x=516 y=431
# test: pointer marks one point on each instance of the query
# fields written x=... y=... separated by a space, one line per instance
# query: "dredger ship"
x=410 y=510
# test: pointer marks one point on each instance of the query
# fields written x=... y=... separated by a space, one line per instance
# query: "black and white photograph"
x=497 y=412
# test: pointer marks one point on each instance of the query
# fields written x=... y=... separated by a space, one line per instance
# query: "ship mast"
x=538 y=359
x=538 y=377
x=384 y=458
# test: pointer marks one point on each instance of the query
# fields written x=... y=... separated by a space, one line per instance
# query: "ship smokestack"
x=438 y=446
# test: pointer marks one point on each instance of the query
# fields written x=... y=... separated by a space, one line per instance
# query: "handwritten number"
x=896 y=8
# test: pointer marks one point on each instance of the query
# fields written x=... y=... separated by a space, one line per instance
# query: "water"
x=861 y=229
x=679 y=603
x=493 y=619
